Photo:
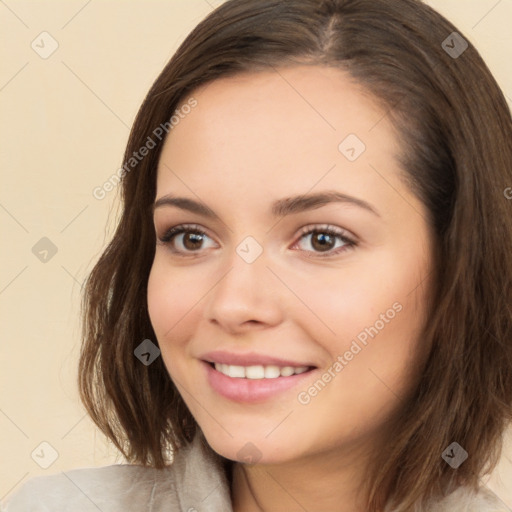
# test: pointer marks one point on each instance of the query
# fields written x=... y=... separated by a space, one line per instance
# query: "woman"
x=306 y=303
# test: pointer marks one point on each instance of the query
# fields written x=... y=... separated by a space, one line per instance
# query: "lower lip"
x=251 y=390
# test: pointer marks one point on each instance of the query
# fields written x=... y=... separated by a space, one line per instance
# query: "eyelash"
x=326 y=229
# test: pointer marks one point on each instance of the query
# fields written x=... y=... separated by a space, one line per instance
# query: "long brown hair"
x=456 y=128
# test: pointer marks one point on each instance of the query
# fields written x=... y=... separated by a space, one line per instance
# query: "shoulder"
x=195 y=478
x=467 y=500
x=91 y=489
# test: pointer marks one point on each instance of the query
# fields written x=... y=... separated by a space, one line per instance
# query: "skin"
x=252 y=139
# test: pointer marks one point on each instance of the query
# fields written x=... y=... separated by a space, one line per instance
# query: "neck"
x=326 y=482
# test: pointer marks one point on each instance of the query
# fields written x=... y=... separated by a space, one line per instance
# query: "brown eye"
x=184 y=239
x=192 y=241
x=323 y=241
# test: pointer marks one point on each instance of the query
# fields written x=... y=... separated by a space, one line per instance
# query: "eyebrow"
x=280 y=208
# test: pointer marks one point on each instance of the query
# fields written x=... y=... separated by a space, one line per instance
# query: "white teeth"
x=272 y=372
x=255 y=372
x=287 y=371
x=235 y=371
x=258 y=371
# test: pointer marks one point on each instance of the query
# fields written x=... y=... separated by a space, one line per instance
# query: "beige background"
x=64 y=123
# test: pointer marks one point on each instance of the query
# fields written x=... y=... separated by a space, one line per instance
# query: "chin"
x=244 y=448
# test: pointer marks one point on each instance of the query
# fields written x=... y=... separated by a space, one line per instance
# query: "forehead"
x=280 y=132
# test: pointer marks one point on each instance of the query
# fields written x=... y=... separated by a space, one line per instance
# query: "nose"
x=247 y=296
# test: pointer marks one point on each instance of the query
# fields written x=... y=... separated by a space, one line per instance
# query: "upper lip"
x=249 y=359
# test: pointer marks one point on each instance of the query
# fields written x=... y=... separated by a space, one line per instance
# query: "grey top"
x=195 y=482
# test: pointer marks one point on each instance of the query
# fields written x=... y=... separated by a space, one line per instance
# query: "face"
x=288 y=303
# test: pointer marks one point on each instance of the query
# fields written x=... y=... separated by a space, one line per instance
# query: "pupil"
x=194 y=239
x=324 y=241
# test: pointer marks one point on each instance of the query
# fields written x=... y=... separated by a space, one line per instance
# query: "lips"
x=251 y=359
x=252 y=378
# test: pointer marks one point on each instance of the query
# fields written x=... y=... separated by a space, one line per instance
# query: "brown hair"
x=457 y=130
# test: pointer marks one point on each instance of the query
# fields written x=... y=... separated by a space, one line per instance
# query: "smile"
x=257 y=372
x=256 y=383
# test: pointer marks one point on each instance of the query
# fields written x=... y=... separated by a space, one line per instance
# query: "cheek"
x=370 y=313
x=344 y=302
x=171 y=298
x=170 y=307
